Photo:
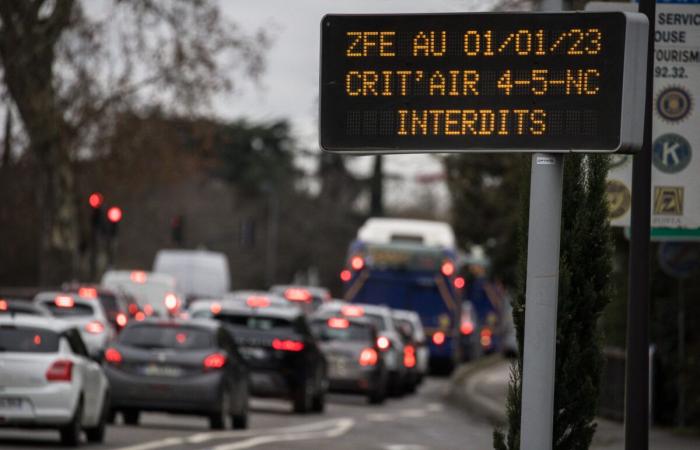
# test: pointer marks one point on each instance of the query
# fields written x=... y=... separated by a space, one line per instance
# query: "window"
x=27 y=340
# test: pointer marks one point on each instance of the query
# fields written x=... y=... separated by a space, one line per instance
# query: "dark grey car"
x=178 y=367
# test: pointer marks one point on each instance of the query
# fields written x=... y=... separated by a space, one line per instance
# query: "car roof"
x=209 y=324
x=353 y=320
x=405 y=314
x=51 y=295
x=49 y=323
x=313 y=290
x=125 y=275
x=368 y=307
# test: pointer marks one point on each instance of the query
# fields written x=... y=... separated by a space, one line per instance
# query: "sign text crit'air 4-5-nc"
x=481 y=82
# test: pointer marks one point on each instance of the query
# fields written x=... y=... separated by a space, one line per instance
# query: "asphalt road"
x=416 y=422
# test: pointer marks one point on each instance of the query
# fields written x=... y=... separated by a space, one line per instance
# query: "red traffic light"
x=96 y=199
x=114 y=214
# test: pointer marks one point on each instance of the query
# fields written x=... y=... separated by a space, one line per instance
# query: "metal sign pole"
x=541 y=296
x=637 y=367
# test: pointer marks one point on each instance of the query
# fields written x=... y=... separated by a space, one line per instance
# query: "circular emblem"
x=617 y=160
x=673 y=104
x=619 y=198
x=671 y=153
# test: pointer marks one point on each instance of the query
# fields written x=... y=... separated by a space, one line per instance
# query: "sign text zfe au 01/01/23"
x=482 y=82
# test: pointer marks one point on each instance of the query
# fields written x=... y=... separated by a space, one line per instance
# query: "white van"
x=156 y=293
x=199 y=273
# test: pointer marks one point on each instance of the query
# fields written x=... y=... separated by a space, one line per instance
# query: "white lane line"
x=435 y=407
x=167 y=442
x=204 y=437
x=341 y=427
x=404 y=447
x=380 y=417
x=413 y=413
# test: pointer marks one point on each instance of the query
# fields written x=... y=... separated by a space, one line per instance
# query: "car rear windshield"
x=77 y=310
x=377 y=320
x=165 y=336
x=261 y=323
x=28 y=340
x=354 y=332
x=109 y=303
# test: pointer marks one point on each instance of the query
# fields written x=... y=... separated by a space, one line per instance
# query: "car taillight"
x=64 y=301
x=113 y=356
x=257 y=301
x=171 y=301
x=215 y=308
x=133 y=309
x=438 y=338
x=148 y=309
x=138 y=276
x=467 y=327
x=409 y=356
x=297 y=295
x=122 y=320
x=3 y=305
x=357 y=263
x=447 y=268
x=368 y=357
x=87 y=292
x=383 y=343
x=460 y=283
x=61 y=370
x=486 y=339
x=338 y=322
x=352 y=311
x=287 y=345
x=94 y=327
x=214 y=361
x=139 y=316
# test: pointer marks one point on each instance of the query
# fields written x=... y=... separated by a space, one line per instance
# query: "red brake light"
x=3 y=305
x=171 y=301
x=148 y=309
x=94 y=327
x=61 y=370
x=64 y=301
x=338 y=322
x=345 y=276
x=368 y=357
x=258 y=302
x=37 y=339
x=297 y=295
x=352 y=311
x=138 y=276
x=87 y=292
x=383 y=343
x=438 y=338
x=113 y=356
x=409 y=356
x=214 y=361
x=122 y=320
x=357 y=263
x=181 y=338
x=287 y=345
x=114 y=214
x=95 y=200
x=460 y=283
x=133 y=309
x=467 y=328
x=215 y=308
x=486 y=340
x=139 y=316
x=447 y=268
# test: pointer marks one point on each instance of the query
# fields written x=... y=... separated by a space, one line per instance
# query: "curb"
x=462 y=391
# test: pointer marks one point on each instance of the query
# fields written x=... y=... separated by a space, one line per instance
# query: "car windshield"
x=165 y=336
x=76 y=310
x=353 y=332
x=261 y=323
x=28 y=340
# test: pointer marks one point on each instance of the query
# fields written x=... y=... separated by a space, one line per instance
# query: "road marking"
x=403 y=447
x=380 y=417
x=216 y=435
x=435 y=407
x=413 y=413
x=341 y=427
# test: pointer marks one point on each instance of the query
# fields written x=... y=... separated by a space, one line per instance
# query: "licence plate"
x=154 y=370
x=253 y=352
x=10 y=403
x=338 y=367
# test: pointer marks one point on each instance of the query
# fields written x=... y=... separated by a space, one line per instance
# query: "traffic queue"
x=78 y=358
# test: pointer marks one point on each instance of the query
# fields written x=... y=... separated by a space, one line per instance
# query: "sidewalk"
x=481 y=387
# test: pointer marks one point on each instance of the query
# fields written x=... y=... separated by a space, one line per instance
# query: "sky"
x=289 y=86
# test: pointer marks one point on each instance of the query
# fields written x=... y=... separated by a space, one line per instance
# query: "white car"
x=86 y=314
x=156 y=293
x=389 y=340
x=47 y=379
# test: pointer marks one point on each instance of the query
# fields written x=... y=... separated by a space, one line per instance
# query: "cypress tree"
x=584 y=291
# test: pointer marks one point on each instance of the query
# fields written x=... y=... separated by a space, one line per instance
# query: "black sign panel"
x=482 y=82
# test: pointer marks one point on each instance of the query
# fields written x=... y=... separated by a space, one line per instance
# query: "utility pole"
x=637 y=353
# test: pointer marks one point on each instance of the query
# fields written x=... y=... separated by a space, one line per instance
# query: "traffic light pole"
x=637 y=367
x=541 y=294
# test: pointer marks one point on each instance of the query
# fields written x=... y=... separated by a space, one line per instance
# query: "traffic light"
x=114 y=216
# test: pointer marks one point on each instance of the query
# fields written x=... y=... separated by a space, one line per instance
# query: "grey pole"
x=543 y=242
